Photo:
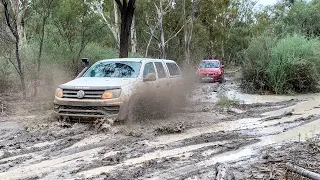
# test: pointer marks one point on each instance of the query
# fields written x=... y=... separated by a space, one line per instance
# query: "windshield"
x=114 y=69
x=209 y=64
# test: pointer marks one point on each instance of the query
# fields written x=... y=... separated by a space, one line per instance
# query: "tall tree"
x=109 y=17
x=157 y=30
x=76 y=26
x=188 y=29
x=133 y=36
x=43 y=8
x=14 y=12
x=127 y=12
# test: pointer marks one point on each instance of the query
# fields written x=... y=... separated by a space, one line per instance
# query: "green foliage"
x=256 y=59
x=225 y=102
x=261 y=40
x=304 y=18
x=294 y=65
x=287 y=65
x=6 y=75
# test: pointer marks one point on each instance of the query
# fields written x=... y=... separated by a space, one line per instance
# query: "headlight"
x=217 y=73
x=110 y=94
x=59 y=92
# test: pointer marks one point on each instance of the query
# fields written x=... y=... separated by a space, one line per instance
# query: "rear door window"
x=173 y=69
x=160 y=70
x=148 y=68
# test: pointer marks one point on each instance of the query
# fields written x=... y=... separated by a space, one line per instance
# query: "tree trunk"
x=162 y=42
x=13 y=21
x=21 y=73
x=303 y=172
x=133 y=37
x=36 y=83
x=124 y=37
x=127 y=12
x=222 y=50
x=149 y=42
x=186 y=53
x=116 y=24
x=19 y=18
x=188 y=30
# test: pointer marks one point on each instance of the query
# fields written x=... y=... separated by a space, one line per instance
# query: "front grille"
x=88 y=94
x=206 y=75
x=88 y=111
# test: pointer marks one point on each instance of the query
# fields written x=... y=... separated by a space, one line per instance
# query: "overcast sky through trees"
x=267 y=2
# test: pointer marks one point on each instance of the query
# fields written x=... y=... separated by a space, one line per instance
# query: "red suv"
x=211 y=70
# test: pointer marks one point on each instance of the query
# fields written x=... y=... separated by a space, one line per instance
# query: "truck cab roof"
x=137 y=60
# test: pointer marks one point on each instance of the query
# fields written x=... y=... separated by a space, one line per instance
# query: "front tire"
x=222 y=79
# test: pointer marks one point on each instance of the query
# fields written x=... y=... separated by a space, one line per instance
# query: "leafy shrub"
x=294 y=65
x=256 y=59
x=304 y=77
x=226 y=102
x=289 y=65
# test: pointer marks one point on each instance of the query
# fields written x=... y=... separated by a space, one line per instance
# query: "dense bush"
x=281 y=66
x=256 y=59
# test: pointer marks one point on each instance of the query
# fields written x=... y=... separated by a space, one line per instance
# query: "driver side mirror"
x=150 y=77
x=222 y=66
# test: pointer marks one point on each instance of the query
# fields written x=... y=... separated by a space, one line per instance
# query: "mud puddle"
x=188 y=144
x=231 y=90
x=302 y=110
x=243 y=152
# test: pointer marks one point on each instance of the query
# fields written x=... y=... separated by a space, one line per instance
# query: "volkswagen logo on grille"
x=80 y=94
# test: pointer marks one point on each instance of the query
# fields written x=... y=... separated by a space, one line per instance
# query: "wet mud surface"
x=251 y=139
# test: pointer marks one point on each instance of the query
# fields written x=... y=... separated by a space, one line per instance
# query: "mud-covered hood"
x=97 y=83
x=208 y=70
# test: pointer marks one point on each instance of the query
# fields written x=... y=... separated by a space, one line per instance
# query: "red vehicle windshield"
x=209 y=64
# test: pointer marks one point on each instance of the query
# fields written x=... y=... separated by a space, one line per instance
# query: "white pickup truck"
x=110 y=87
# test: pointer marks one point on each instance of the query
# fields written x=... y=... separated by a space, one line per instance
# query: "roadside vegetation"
x=226 y=102
x=285 y=58
x=42 y=41
x=282 y=65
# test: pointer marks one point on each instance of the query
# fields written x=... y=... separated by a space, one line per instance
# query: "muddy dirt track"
x=250 y=140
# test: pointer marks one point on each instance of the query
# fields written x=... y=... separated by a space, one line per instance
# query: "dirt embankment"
x=251 y=138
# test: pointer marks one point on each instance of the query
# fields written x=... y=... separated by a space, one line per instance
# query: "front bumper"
x=91 y=108
x=210 y=77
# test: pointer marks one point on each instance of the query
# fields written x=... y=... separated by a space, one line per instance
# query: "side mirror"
x=222 y=66
x=150 y=77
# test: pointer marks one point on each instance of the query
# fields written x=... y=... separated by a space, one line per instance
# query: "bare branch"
x=168 y=6
x=174 y=35
x=157 y=8
x=14 y=65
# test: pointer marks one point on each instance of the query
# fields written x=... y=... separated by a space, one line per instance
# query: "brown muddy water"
x=187 y=145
